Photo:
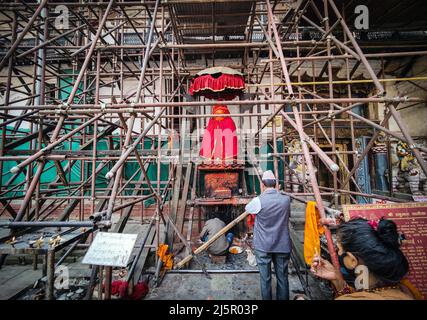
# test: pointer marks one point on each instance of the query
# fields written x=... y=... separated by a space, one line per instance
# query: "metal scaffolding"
x=70 y=86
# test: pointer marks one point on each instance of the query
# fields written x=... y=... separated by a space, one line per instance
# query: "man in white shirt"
x=272 y=242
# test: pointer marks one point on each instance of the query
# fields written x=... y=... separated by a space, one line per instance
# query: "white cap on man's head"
x=268 y=175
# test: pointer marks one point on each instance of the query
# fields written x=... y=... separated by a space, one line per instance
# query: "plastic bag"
x=251 y=258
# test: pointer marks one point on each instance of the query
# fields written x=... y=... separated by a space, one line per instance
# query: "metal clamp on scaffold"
x=333 y=213
x=104 y=224
x=293 y=100
x=306 y=140
x=102 y=106
x=331 y=115
x=131 y=110
x=63 y=108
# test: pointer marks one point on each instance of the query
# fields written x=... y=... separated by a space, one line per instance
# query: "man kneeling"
x=220 y=246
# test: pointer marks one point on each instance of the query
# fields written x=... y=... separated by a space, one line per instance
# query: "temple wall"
x=414 y=115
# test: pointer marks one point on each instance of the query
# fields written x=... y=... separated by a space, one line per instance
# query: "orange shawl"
x=312 y=231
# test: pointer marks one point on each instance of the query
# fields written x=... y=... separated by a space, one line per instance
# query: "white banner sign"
x=110 y=249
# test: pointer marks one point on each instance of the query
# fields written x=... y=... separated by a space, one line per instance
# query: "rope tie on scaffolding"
x=102 y=106
x=63 y=109
x=131 y=110
x=293 y=102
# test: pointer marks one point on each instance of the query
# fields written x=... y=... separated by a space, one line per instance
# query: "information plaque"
x=411 y=220
x=110 y=249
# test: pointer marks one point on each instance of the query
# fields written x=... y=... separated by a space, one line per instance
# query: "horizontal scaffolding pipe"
x=42 y=224
x=91 y=198
x=86 y=158
x=131 y=108
x=300 y=153
x=209 y=271
x=357 y=81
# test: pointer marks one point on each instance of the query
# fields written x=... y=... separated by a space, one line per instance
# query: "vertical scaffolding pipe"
x=349 y=95
x=147 y=53
x=7 y=95
x=32 y=145
x=121 y=168
x=331 y=96
x=298 y=69
x=101 y=282
x=95 y=135
x=273 y=123
x=50 y=281
x=40 y=141
x=159 y=143
x=40 y=90
x=108 y=279
x=39 y=98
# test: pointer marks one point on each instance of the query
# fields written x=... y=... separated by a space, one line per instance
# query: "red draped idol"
x=220 y=139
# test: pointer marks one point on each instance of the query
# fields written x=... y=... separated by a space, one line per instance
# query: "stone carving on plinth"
x=409 y=173
x=298 y=174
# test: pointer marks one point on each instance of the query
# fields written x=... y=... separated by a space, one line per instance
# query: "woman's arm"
x=322 y=268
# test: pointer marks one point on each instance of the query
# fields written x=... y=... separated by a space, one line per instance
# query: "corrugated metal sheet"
x=229 y=18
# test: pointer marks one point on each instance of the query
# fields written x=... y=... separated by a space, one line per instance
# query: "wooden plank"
x=144 y=255
x=191 y=218
x=183 y=202
x=174 y=204
x=14 y=279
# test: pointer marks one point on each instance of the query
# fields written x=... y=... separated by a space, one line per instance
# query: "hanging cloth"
x=165 y=257
x=312 y=231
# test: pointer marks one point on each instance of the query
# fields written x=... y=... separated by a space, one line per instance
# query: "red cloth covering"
x=217 y=84
x=140 y=290
x=119 y=288
x=219 y=139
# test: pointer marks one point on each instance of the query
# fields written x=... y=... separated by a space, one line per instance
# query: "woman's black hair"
x=269 y=183
x=379 y=249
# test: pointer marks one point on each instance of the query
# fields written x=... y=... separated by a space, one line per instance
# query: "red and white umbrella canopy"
x=218 y=82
